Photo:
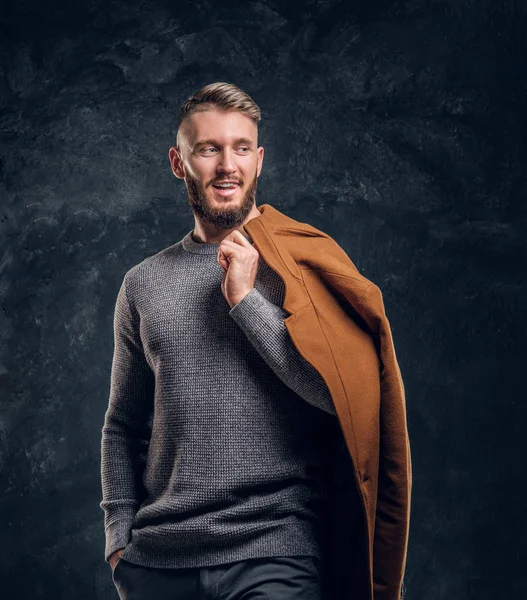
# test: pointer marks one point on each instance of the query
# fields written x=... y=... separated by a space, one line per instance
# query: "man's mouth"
x=225 y=189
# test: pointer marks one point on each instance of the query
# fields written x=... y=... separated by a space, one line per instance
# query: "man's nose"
x=226 y=163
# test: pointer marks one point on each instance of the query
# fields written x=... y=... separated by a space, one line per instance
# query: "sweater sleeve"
x=127 y=427
x=263 y=324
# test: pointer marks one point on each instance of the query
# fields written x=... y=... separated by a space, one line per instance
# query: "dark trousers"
x=276 y=578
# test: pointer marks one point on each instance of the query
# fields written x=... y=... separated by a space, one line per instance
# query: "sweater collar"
x=190 y=245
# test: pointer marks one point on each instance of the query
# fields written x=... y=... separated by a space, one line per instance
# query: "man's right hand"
x=114 y=557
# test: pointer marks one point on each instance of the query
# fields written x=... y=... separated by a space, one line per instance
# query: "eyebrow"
x=240 y=140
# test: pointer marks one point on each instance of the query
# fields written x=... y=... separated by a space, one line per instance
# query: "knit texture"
x=213 y=440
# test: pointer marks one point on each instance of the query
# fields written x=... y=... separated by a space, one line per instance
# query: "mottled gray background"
x=396 y=127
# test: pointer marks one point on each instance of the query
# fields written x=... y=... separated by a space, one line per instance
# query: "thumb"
x=224 y=263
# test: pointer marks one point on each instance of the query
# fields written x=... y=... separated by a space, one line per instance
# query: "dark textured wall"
x=396 y=127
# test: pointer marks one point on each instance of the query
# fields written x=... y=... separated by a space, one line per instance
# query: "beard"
x=228 y=217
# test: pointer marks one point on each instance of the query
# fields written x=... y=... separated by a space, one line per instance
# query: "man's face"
x=217 y=147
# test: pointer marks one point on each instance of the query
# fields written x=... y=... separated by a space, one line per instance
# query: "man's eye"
x=207 y=150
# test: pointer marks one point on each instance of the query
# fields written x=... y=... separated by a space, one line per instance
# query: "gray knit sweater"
x=212 y=440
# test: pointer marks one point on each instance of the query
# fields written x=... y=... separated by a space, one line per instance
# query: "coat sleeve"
x=263 y=324
x=395 y=468
x=126 y=429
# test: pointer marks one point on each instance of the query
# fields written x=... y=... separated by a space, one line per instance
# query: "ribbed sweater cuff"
x=117 y=536
x=254 y=310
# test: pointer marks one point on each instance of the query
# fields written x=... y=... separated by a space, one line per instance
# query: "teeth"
x=226 y=185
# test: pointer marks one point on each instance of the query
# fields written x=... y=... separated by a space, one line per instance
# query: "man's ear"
x=175 y=162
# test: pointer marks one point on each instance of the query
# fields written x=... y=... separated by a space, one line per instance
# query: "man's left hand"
x=239 y=260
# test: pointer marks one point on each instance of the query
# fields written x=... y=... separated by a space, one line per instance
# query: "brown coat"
x=338 y=324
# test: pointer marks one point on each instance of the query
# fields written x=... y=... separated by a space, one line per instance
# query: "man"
x=214 y=437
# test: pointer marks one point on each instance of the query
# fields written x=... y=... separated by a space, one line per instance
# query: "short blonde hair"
x=220 y=96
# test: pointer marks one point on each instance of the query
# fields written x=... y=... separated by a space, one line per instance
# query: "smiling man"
x=220 y=162
x=212 y=453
